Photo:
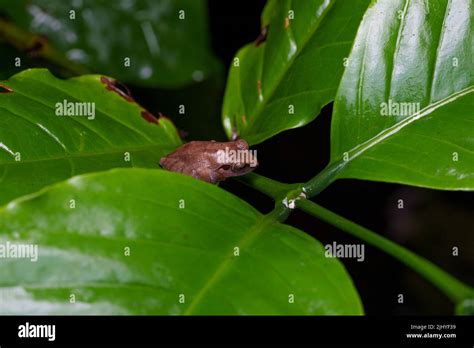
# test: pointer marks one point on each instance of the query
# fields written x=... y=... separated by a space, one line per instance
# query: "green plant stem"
x=272 y=188
x=38 y=46
x=450 y=286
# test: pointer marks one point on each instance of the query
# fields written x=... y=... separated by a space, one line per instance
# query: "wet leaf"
x=282 y=82
x=39 y=147
x=404 y=110
x=161 y=43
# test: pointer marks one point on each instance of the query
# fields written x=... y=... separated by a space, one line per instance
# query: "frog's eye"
x=225 y=167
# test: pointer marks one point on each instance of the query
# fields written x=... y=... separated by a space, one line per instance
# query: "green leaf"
x=164 y=50
x=181 y=235
x=285 y=81
x=417 y=57
x=38 y=148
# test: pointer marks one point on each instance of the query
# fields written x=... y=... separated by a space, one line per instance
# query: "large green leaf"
x=411 y=55
x=181 y=236
x=37 y=147
x=165 y=48
x=285 y=81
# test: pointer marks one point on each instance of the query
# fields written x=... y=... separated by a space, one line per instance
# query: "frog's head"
x=236 y=159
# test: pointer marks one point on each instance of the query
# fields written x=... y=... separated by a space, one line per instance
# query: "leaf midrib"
x=386 y=133
x=272 y=90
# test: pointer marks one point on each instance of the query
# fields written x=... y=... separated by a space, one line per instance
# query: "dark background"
x=431 y=223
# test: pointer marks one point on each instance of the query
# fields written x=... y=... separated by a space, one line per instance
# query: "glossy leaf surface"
x=285 y=81
x=404 y=110
x=38 y=146
x=141 y=241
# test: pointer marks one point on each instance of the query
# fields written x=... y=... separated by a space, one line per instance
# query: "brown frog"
x=212 y=161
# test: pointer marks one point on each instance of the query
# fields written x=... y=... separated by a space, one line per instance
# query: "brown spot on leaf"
x=287 y=22
x=259 y=88
x=262 y=37
x=244 y=119
x=4 y=89
x=149 y=117
x=117 y=87
x=123 y=91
